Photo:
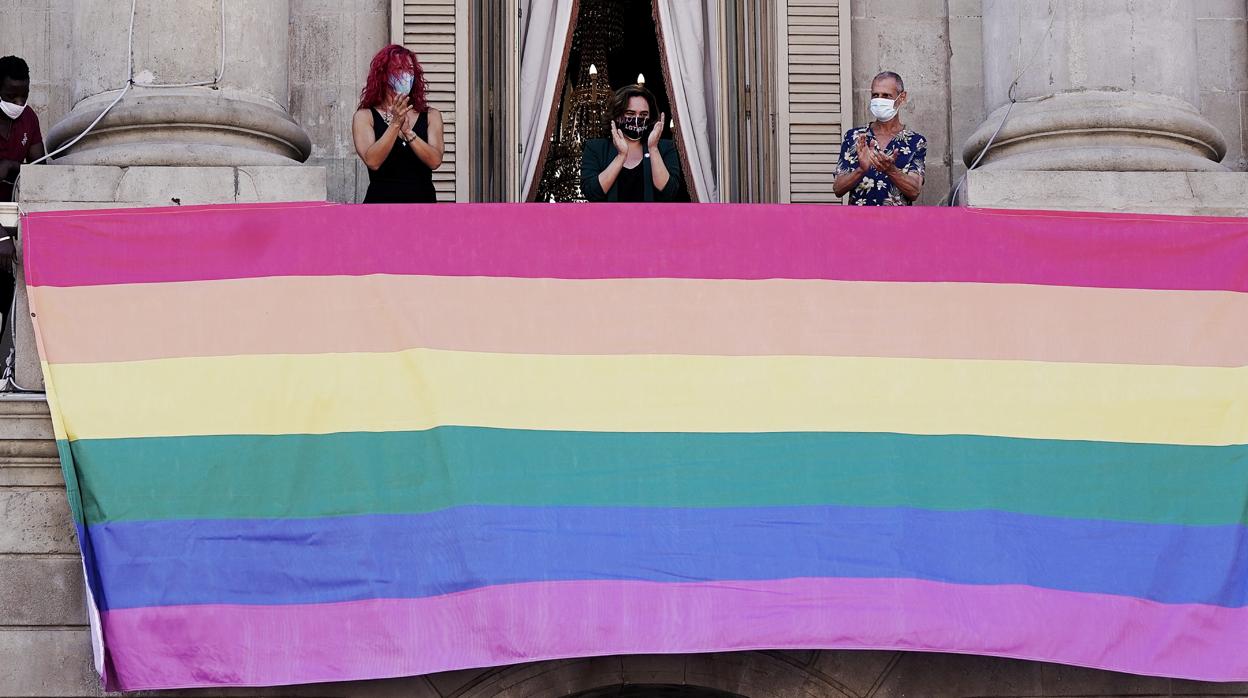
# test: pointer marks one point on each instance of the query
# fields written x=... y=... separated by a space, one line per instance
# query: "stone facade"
x=331 y=44
x=959 y=58
x=936 y=44
x=214 y=95
x=324 y=50
x=957 y=70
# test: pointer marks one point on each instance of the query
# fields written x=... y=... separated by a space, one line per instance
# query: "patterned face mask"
x=634 y=127
x=402 y=83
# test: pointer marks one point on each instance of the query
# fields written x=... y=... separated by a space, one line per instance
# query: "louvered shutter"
x=813 y=99
x=432 y=29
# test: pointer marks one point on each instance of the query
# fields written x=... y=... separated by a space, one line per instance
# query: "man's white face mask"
x=12 y=110
x=883 y=109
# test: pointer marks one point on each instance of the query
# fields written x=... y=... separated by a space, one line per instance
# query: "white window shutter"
x=432 y=29
x=814 y=110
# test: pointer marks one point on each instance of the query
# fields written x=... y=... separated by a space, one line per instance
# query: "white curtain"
x=690 y=42
x=543 y=34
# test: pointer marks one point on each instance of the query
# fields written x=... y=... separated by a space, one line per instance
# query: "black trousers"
x=7 y=291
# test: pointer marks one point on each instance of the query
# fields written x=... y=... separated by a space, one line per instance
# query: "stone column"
x=1105 y=85
x=241 y=120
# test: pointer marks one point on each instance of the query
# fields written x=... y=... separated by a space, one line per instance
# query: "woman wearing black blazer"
x=634 y=165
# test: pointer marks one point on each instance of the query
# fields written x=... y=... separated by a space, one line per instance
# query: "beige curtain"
x=544 y=33
x=689 y=29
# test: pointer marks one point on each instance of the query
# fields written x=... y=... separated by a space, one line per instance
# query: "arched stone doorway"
x=719 y=675
x=765 y=674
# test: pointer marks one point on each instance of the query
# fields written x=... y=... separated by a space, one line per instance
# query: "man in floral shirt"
x=882 y=163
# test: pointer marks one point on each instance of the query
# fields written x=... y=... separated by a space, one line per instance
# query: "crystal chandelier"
x=583 y=110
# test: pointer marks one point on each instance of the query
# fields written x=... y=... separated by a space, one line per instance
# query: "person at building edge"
x=21 y=141
x=881 y=164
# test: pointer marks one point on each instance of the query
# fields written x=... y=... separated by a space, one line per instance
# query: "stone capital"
x=230 y=58
x=1099 y=130
x=1107 y=85
x=188 y=126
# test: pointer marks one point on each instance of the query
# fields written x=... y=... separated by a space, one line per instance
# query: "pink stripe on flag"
x=216 y=645
x=637 y=241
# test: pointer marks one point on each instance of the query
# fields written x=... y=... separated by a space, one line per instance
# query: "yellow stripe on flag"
x=422 y=388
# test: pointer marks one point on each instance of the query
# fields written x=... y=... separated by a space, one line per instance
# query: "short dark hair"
x=619 y=100
x=14 y=68
x=901 y=85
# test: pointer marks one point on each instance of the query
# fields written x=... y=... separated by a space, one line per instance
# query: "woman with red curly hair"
x=397 y=134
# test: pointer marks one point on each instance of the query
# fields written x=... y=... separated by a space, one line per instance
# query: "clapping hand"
x=656 y=131
x=884 y=161
x=398 y=112
x=617 y=137
x=866 y=153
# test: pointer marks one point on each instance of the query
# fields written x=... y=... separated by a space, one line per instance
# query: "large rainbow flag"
x=321 y=442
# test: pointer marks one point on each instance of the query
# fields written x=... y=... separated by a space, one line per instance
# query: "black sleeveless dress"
x=402 y=177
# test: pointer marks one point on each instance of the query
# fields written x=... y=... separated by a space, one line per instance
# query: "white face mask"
x=883 y=109
x=12 y=110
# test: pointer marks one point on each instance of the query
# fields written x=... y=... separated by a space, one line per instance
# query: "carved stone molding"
x=230 y=60
x=1099 y=130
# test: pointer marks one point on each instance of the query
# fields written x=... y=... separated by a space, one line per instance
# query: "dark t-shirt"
x=24 y=135
x=632 y=184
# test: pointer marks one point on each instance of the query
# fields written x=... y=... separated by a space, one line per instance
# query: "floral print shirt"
x=875 y=188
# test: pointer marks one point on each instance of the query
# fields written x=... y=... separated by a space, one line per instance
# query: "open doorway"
x=614 y=43
x=637 y=54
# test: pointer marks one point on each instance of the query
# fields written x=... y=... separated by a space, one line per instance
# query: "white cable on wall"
x=8 y=382
x=216 y=78
x=953 y=196
x=80 y=136
x=130 y=83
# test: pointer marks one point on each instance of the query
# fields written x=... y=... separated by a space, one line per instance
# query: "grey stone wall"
x=44 y=645
x=331 y=44
x=1169 y=193
x=1222 y=52
x=937 y=46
